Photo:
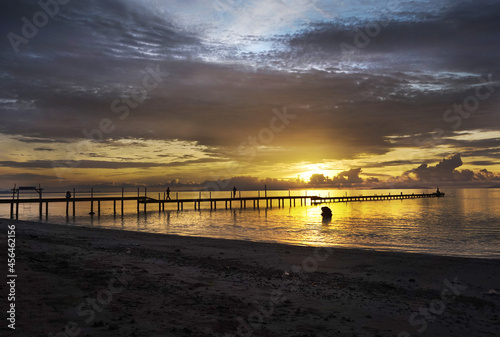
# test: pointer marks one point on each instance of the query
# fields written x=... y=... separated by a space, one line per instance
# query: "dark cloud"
x=483 y=163
x=391 y=93
x=343 y=179
x=447 y=170
x=462 y=37
x=27 y=177
x=493 y=153
x=347 y=178
x=390 y=163
x=486 y=175
x=99 y=164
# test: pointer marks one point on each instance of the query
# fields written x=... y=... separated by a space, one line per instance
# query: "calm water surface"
x=464 y=223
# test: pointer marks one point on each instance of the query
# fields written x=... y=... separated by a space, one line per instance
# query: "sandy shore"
x=77 y=281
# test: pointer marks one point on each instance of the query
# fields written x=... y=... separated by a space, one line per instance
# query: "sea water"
x=466 y=222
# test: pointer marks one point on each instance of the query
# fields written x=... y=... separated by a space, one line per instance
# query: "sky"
x=363 y=92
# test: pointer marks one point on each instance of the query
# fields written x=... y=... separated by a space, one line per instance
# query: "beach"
x=83 y=281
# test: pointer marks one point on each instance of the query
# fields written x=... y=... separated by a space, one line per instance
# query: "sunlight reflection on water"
x=464 y=223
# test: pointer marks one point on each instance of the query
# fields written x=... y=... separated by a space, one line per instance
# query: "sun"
x=307 y=170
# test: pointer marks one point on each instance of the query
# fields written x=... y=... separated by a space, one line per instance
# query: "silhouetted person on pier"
x=168 y=193
x=68 y=195
x=234 y=192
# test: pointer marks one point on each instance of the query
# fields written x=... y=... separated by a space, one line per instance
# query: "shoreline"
x=491 y=256
x=195 y=286
x=337 y=248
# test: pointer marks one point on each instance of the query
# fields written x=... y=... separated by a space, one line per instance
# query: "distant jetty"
x=321 y=200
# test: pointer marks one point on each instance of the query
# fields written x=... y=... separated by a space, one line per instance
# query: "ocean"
x=466 y=222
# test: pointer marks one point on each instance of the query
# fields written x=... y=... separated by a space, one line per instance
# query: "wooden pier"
x=227 y=203
x=159 y=203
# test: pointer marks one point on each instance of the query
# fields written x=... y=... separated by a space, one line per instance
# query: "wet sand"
x=78 y=281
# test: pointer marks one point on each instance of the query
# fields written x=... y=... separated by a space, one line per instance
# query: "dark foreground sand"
x=74 y=281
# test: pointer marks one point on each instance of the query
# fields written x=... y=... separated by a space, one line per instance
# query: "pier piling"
x=92 y=202
x=138 y=198
x=122 y=199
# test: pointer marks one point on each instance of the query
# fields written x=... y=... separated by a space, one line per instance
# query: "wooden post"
x=67 y=207
x=138 y=200
x=12 y=203
x=114 y=207
x=122 y=200
x=74 y=202
x=98 y=208
x=47 y=209
x=159 y=203
x=17 y=206
x=145 y=196
x=40 y=197
x=92 y=202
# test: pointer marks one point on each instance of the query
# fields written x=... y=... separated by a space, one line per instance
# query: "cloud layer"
x=363 y=79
